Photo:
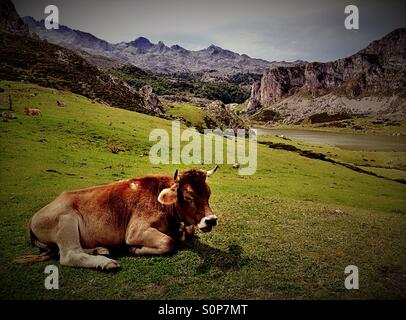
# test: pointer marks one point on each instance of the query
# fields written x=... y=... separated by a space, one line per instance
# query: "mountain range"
x=25 y=57
x=369 y=83
x=213 y=61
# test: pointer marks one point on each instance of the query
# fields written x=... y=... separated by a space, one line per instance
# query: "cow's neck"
x=176 y=214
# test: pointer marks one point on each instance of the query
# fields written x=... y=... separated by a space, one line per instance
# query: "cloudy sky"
x=273 y=30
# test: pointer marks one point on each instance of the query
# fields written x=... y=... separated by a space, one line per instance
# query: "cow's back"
x=105 y=211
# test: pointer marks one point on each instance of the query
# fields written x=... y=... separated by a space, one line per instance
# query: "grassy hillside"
x=391 y=164
x=286 y=232
x=189 y=113
x=30 y=59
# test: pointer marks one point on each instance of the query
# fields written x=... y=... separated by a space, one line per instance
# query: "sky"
x=280 y=30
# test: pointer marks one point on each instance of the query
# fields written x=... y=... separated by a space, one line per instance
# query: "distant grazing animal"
x=6 y=115
x=147 y=214
x=32 y=112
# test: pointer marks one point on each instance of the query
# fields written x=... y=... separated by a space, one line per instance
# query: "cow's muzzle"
x=207 y=223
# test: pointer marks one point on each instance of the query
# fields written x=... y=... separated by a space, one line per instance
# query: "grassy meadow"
x=187 y=113
x=390 y=164
x=286 y=232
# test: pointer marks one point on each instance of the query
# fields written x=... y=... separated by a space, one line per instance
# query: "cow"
x=32 y=112
x=148 y=215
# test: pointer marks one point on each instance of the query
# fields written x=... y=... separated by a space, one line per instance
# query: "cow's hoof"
x=102 y=251
x=111 y=265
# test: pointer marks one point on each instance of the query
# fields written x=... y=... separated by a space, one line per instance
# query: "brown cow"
x=32 y=112
x=145 y=214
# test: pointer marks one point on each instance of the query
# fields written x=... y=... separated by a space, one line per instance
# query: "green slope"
x=187 y=112
x=286 y=232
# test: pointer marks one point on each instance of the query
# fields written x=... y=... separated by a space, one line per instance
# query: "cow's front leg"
x=70 y=249
x=149 y=242
x=186 y=231
x=97 y=251
x=190 y=231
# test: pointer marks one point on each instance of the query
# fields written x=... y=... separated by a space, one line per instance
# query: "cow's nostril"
x=211 y=222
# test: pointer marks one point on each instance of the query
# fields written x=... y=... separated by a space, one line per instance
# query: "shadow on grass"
x=230 y=259
x=226 y=260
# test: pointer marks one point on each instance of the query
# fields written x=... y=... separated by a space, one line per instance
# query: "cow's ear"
x=169 y=195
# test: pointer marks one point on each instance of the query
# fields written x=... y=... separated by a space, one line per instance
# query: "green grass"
x=391 y=164
x=240 y=107
x=390 y=173
x=279 y=234
x=188 y=112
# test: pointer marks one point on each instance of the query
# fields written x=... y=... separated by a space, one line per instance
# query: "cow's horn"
x=175 y=176
x=210 y=172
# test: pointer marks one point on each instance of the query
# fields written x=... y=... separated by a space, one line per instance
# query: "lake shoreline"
x=366 y=127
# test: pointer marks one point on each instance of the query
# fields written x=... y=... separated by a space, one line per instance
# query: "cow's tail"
x=44 y=256
x=47 y=252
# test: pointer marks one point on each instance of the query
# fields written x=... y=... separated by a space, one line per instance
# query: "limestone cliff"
x=378 y=70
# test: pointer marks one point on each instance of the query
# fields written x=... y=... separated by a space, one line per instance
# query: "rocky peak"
x=179 y=49
x=10 y=20
x=218 y=51
x=212 y=48
x=141 y=43
x=393 y=41
x=176 y=47
x=389 y=50
x=161 y=47
x=378 y=68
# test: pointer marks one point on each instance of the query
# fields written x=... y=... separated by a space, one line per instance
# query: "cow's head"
x=190 y=194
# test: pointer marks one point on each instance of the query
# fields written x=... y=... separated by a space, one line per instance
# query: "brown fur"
x=125 y=213
x=32 y=112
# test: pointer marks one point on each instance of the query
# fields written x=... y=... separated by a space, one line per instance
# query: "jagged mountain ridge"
x=158 y=57
x=27 y=58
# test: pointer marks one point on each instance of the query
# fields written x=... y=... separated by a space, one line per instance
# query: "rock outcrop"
x=222 y=117
x=218 y=114
x=380 y=68
x=151 y=100
x=254 y=102
x=253 y=105
x=296 y=109
x=371 y=82
x=10 y=20
x=256 y=90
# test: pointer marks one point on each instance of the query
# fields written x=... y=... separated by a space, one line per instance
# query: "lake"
x=349 y=141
